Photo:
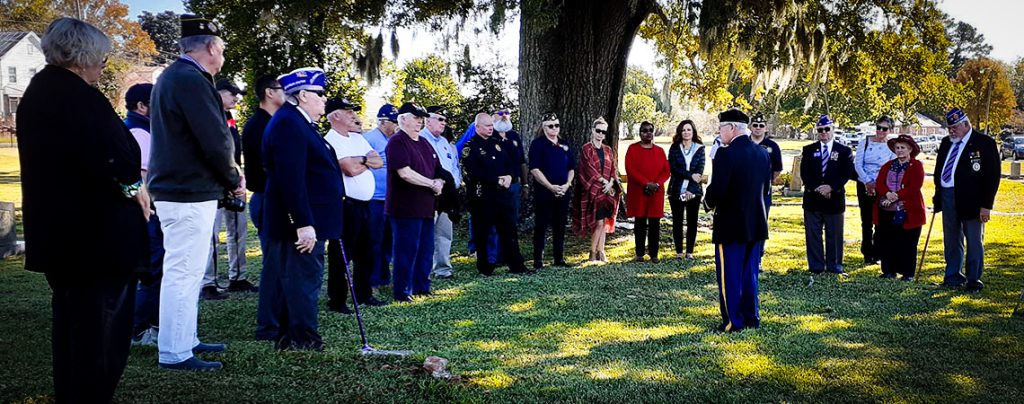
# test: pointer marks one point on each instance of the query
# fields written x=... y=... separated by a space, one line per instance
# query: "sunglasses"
x=319 y=93
x=601 y=131
x=758 y=125
x=824 y=130
x=553 y=126
x=882 y=128
x=646 y=130
x=501 y=113
x=276 y=88
x=440 y=119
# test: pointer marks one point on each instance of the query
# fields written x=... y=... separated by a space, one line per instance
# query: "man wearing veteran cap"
x=303 y=209
x=432 y=131
x=380 y=227
x=412 y=192
x=355 y=158
x=191 y=166
x=740 y=182
x=759 y=134
x=967 y=174
x=825 y=168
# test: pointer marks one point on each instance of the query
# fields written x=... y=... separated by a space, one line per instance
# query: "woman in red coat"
x=597 y=191
x=646 y=173
x=899 y=213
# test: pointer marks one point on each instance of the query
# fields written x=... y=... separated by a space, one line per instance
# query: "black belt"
x=356 y=201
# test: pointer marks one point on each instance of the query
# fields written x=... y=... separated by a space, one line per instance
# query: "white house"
x=20 y=59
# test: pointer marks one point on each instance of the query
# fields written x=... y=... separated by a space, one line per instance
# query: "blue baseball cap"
x=389 y=112
x=955 y=116
x=306 y=78
x=824 y=120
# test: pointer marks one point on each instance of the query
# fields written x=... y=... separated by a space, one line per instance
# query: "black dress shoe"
x=343 y=309
x=975 y=286
x=887 y=276
x=211 y=293
x=817 y=271
x=193 y=364
x=242 y=286
x=907 y=278
x=655 y=260
x=373 y=301
x=949 y=285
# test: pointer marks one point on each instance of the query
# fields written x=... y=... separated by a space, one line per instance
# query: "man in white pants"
x=191 y=166
x=432 y=130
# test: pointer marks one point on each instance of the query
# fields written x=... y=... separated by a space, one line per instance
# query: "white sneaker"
x=147 y=338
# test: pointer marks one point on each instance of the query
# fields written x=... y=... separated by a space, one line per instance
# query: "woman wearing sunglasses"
x=686 y=160
x=553 y=167
x=597 y=196
x=646 y=172
x=872 y=153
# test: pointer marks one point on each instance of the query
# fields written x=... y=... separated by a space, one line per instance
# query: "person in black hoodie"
x=72 y=144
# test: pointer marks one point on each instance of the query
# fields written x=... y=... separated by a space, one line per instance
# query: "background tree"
x=992 y=96
x=428 y=81
x=636 y=108
x=965 y=43
x=164 y=29
x=1016 y=72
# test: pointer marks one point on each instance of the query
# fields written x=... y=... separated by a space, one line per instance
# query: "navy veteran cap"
x=193 y=25
x=437 y=110
x=227 y=85
x=955 y=116
x=733 y=115
x=412 y=108
x=824 y=120
x=550 y=116
x=758 y=118
x=340 y=103
x=306 y=78
x=389 y=112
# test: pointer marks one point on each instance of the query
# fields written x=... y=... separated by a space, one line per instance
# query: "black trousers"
x=549 y=213
x=689 y=210
x=92 y=330
x=869 y=241
x=896 y=247
x=495 y=209
x=647 y=231
x=355 y=237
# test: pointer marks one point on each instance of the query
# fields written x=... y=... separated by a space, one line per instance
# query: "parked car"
x=928 y=143
x=1012 y=147
x=848 y=139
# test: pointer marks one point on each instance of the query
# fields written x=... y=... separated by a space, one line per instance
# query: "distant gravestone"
x=8 y=235
x=796 y=184
x=1015 y=170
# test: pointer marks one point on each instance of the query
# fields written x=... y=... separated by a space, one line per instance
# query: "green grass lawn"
x=621 y=332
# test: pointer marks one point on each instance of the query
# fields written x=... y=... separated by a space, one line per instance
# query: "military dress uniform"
x=741 y=178
x=491 y=204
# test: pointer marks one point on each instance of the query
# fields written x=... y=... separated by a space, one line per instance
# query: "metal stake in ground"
x=925 y=250
x=366 y=350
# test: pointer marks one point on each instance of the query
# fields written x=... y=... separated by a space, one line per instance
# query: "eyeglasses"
x=501 y=113
x=758 y=125
x=825 y=129
x=276 y=88
x=319 y=93
x=601 y=131
x=553 y=126
x=882 y=128
x=440 y=119
x=649 y=130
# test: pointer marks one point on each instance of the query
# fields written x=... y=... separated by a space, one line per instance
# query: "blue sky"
x=136 y=7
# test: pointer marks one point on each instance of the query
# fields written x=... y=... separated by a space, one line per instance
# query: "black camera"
x=231 y=203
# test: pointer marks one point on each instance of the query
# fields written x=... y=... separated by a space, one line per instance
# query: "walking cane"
x=366 y=349
x=925 y=250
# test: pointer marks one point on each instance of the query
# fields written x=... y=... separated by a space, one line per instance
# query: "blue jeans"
x=380 y=245
x=413 y=251
x=147 y=297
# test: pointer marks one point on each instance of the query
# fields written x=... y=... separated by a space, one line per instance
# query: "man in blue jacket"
x=303 y=208
x=741 y=180
x=825 y=167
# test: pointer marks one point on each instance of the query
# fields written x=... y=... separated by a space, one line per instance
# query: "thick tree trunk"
x=572 y=61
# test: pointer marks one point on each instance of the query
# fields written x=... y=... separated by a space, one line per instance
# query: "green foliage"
x=965 y=43
x=164 y=29
x=636 y=108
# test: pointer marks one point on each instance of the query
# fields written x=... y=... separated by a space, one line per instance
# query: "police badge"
x=497 y=147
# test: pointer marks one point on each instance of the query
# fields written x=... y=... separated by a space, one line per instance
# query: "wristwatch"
x=364 y=161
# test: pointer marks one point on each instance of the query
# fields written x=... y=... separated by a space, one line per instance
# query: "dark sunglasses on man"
x=758 y=125
x=553 y=126
x=882 y=128
x=824 y=129
x=601 y=131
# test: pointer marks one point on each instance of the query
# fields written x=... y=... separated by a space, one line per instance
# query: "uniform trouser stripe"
x=721 y=287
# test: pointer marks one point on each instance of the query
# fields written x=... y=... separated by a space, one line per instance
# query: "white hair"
x=68 y=42
x=196 y=42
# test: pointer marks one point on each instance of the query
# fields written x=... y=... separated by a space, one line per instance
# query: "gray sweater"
x=192 y=158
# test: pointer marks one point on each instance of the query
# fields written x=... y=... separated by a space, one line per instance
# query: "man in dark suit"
x=825 y=168
x=967 y=174
x=740 y=183
x=303 y=208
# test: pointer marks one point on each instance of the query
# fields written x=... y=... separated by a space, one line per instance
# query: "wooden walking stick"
x=925 y=250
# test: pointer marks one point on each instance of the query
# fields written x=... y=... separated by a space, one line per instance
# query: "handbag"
x=900 y=216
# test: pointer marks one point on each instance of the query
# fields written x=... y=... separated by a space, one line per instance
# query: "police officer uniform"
x=490 y=203
x=741 y=178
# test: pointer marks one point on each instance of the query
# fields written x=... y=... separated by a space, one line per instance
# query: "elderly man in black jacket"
x=967 y=174
x=741 y=181
x=192 y=165
x=825 y=167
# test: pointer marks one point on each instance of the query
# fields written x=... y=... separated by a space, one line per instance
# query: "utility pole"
x=988 y=102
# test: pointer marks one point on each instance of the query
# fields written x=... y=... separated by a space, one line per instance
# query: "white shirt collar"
x=829 y=144
x=304 y=114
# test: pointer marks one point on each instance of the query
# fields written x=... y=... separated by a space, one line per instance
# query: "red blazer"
x=642 y=167
x=909 y=193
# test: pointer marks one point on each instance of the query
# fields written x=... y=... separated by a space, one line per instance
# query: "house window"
x=12 y=74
